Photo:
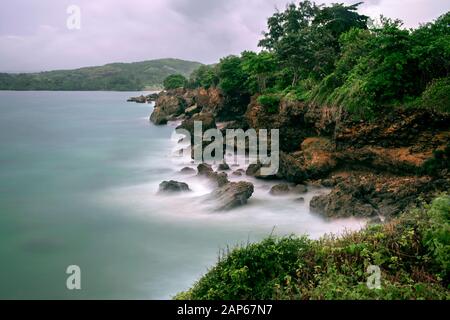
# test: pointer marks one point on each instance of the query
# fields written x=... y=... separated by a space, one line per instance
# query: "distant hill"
x=111 y=77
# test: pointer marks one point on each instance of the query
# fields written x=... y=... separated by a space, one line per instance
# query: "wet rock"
x=173 y=187
x=204 y=169
x=140 y=99
x=237 y=173
x=188 y=170
x=152 y=97
x=223 y=167
x=279 y=189
x=220 y=178
x=232 y=195
x=253 y=169
x=371 y=195
x=300 y=188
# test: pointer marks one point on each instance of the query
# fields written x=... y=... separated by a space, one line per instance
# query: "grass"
x=411 y=251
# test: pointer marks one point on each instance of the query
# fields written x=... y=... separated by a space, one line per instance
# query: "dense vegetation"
x=175 y=81
x=413 y=253
x=117 y=76
x=332 y=55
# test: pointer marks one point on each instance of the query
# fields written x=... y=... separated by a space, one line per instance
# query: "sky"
x=34 y=35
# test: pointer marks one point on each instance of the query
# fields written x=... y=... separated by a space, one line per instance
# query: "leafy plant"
x=270 y=102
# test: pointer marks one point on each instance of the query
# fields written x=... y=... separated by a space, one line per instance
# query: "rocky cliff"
x=375 y=168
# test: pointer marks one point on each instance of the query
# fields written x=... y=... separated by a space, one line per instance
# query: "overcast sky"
x=34 y=35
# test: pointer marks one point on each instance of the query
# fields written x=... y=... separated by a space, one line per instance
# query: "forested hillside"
x=115 y=76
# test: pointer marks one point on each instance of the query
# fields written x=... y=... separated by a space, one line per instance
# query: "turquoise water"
x=78 y=176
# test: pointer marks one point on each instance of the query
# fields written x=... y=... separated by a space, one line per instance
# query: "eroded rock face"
x=210 y=100
x=186 y=103
x=169 y=105
x=368 y=195
x=232 y=195
x=173 y=187
x=207 y=120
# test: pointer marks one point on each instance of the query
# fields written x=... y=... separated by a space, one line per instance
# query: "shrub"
x=437 y=234
x=413 y=253
x=437 y=95
x=270 y=102
x=175 y=81
x=440 y=161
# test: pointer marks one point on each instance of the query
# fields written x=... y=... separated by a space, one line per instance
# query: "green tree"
x=205 y=76
x=305 y=38
x=175 y=81
x=260 y=67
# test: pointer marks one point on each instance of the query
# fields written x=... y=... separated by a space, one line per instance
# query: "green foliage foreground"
x=413 y=253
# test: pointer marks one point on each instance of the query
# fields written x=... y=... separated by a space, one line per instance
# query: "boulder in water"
x=232 y=194
x=204 y=169
x=188 y=170
x=279 y=189
x=223 y=167
x=173 y=186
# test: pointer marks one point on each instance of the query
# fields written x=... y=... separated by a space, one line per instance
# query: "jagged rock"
x=279 y=189
x=152 y=97
x=253 y=169
x=232 y=195
x=369 y=195
x=140 y=99
x=206 y=170
x=192 y=110
x=223 y=167
x=168 y=106
x=291 y=168
x=207 y=120
x=220 y=178
x=173 y=186
x=188 y=170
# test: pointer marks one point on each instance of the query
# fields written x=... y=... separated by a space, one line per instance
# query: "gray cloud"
x=33 y=35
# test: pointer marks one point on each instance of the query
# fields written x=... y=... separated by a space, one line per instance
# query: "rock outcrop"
x=144 y=99
x=169 y=105
x=375 y=168
x=366 y=194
